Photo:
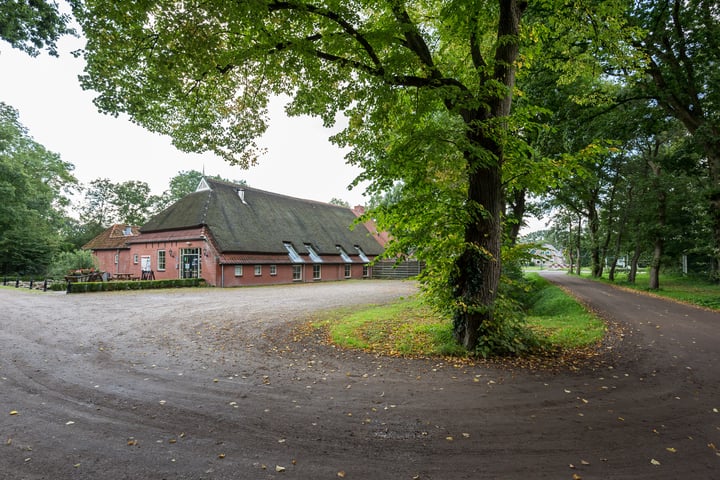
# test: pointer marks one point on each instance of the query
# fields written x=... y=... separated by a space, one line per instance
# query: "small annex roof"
x=113 y=238
x=244 y=219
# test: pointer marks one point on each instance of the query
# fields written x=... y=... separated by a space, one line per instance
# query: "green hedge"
x=84 y=287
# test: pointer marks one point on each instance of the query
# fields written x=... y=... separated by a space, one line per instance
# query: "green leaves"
x=33 y=185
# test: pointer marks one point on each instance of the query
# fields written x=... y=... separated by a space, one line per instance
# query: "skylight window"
x=292 y=253
x=343 y=254
x=363 y=257
x=313 y=254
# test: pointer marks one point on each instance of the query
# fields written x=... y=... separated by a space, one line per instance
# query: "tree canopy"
x=34 y=187
x=33 y=25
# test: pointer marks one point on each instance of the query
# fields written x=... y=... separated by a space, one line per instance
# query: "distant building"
x=234 y=235
x=548 y=257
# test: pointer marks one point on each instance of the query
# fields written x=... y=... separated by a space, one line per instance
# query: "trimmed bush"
x=85 y=287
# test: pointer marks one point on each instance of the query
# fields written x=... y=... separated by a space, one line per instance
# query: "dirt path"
x=211 y=384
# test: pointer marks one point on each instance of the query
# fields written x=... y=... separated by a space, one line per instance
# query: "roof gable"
x=112 y=238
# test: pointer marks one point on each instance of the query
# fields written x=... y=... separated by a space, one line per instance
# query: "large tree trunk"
x=477 y=270
x=655 y=264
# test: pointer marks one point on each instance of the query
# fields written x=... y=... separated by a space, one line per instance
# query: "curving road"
x=216 y=384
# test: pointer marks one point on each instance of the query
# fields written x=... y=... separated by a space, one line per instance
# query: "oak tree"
x=437 y=76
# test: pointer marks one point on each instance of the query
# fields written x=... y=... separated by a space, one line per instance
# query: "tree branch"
x=336 y=18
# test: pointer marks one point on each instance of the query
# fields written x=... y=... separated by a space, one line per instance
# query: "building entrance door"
x=190 y=263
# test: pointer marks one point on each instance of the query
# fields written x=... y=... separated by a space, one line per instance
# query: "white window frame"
x=238 y=270
x=136 y=259
x=273 y=270
x=317 y=271
x=348 y=270
x=258 y=270
x=297 y=273
x=161 y=260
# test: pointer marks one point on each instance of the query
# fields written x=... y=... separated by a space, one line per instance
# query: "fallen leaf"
x=13 y=412
x=654 y=462
x=221 y=455
x=584 y=462
x=341 y=474
x=576 y=476
x=449 y=438
x=671 y=450
x=70 y=423
x=466 y=435
x=279 y=469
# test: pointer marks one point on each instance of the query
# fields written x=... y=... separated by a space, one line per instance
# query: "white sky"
x=300 y=161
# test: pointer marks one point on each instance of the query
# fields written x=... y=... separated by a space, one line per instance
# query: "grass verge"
x=559 y=321
x=691 y=290
x=411 y=329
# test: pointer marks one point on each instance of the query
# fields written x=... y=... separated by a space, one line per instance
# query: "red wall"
x=213 y=272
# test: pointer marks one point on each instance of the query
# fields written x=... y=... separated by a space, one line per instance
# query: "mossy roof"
x=245 y=219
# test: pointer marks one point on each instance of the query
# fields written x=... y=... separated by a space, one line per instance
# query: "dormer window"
x=363 y=257
x=343 y=254
x=127 y=232
x=313 y=254
x=292 y=253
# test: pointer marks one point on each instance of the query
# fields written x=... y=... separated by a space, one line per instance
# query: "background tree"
x=34 y=184
x=33 y=25
x=106 y=203
x=681 y=52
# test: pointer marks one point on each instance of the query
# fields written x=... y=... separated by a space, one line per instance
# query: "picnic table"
x=125 y=276
x=85 y=277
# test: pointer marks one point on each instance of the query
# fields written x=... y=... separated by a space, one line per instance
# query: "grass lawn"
x=692 y=290
x=410 y=328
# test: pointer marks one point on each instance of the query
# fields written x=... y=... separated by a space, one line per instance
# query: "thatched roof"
x=244 y=219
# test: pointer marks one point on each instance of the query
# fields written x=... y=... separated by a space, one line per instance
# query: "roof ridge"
x=268 y=192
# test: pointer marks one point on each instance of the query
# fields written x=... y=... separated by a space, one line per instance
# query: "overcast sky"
x=300 y=161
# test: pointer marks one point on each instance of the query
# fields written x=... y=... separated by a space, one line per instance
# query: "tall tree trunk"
x=632 y=273
x=659 y=241
x=655 y=264
x=477 y=270
x=578 y=266
x=594 y=229
x=516 y=215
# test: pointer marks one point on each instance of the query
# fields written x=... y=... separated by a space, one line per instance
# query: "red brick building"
x=112 y=250
x=234 y=235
